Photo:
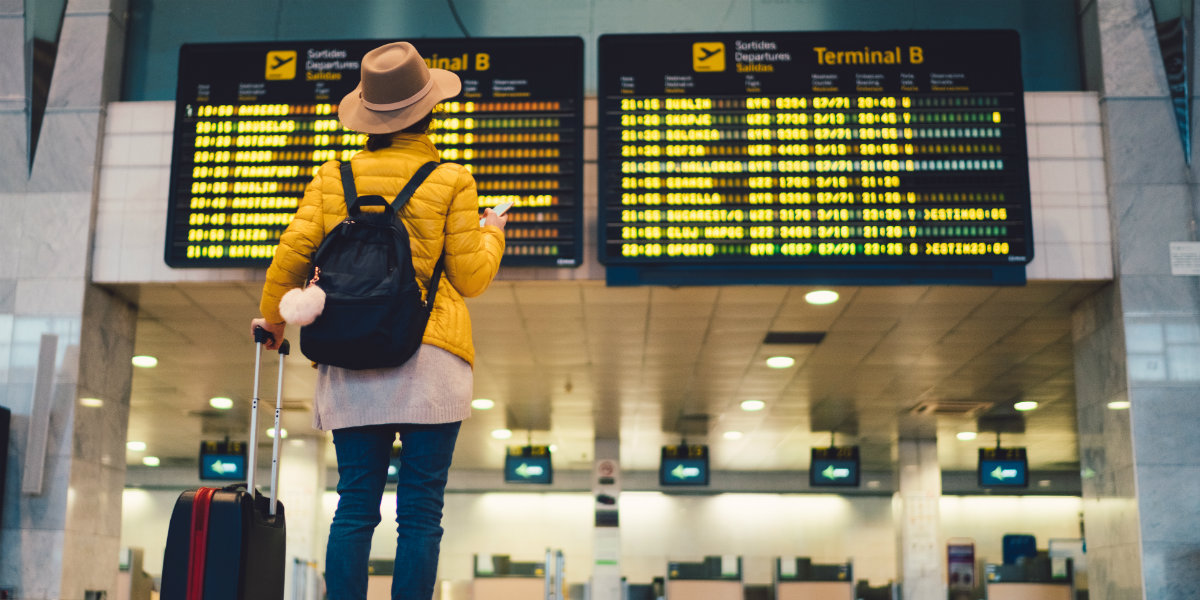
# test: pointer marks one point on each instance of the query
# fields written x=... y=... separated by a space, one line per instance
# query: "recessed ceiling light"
x=1118 y=404
x=221 y=402
x=144 y=361
x=553 y=448
x=966 y=436
x=780 y=362
x=483 y=403
x=1044 y=483
x=1025 y=405
x=501 y=434
x=282 y=433
x=733 y=435
x=136 y=446
x=821 y=297
x=753 y=405
x=91 y=402
x=150 y=461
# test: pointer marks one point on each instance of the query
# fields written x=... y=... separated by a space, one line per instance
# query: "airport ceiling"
x=569 y=361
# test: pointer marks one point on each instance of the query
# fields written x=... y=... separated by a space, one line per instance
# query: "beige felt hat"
x=397 y=89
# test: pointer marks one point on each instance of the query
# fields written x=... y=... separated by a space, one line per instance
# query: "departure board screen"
x=253 y=121
x=814 y=149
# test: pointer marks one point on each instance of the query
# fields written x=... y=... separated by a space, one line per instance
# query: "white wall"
x=1071 y=224
x=145 y=515
x=657 y=528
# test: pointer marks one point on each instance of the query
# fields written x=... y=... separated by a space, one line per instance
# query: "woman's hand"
x=275 y=329
x=491 y=218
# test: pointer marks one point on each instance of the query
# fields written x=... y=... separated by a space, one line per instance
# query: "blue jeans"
x=362 y=455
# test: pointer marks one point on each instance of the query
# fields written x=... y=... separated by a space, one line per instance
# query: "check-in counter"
x=497 y=577
x=1027 y=580
x=800 y=579
x=379 y=578
x=714 y=578
x=132 y=582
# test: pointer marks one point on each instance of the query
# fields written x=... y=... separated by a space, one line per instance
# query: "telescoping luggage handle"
x=261 y=336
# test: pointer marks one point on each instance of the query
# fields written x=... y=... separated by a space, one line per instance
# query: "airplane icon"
x=708 y=56
x=281 y=65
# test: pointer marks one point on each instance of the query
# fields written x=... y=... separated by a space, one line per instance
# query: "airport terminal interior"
x=801 y=299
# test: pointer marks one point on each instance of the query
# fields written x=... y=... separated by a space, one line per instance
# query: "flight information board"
x=831 y=150
x=253 y=121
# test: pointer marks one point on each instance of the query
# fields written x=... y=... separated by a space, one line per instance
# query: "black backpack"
x=374 y=316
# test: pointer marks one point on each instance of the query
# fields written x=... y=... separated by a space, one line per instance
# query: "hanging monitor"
x=223 y=460
x=528 y=464
x=683 y=465
x=834 y=467
x=1003 y=468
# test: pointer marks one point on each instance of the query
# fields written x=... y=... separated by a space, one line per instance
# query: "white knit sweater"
x=434 y=386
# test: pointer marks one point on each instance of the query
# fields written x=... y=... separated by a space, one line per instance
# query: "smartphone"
x=499 y=209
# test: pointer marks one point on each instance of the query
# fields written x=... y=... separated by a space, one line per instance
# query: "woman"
x=424 y=400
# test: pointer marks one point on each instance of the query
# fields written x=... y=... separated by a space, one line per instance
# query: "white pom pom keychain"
x=302 y=306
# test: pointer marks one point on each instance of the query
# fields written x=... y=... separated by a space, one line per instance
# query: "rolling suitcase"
x=229 y=543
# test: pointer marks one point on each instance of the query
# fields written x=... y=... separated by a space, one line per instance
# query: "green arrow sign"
x=1000 y=474
x=528 y=471
x=833 y=473
x=221 y=468
x=682 y=472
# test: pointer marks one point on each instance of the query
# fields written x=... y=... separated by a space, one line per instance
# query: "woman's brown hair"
x=379 y=141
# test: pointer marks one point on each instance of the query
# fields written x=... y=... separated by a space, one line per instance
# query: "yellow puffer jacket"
x=443 y=215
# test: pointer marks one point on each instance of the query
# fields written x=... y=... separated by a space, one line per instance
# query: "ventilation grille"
x=794 y=337
x=950 y=408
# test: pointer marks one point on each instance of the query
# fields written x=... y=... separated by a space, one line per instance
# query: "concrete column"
x=920 y=540
x=1139 y=340
x=62 y=339
x=606 y=549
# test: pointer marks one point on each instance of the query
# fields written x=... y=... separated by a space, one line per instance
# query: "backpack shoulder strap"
x=350 y=192
x=348 y=189
x=402 y=198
